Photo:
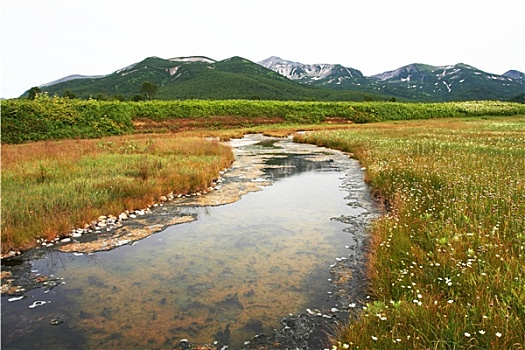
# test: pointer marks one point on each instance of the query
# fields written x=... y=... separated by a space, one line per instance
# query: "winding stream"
x=222 y=279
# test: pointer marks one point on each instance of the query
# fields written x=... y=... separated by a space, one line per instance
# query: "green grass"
x=60 y=118
x=50 y=187
x=446 y=262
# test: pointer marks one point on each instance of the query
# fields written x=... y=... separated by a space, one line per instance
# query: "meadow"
x=50 y=187
x=446 y=261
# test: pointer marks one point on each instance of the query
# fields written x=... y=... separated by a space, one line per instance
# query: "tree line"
x=147 y=92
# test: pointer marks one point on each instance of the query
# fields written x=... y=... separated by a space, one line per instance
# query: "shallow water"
x=231 y=274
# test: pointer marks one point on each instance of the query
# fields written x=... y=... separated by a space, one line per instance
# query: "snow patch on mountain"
x=121 y=70
x=322 y=73
x=192 y=59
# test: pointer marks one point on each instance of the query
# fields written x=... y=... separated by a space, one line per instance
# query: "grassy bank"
x=49 y=187
x=55 y=118
x=447 y=262
x=60 y=118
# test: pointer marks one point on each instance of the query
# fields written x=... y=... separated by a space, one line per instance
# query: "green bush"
x=59 y=118
x=313 y=112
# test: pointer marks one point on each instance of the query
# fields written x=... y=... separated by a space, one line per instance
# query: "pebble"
x=37 y=303
x=15 y=299
x=123 y=242
x=56 y=322
x=65 y=240
x=10 y=254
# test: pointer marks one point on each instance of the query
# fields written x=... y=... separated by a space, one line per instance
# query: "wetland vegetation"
x=51 y=187
x=445 y=264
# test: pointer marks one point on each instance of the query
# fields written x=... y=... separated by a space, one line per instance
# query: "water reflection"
x=226 y=277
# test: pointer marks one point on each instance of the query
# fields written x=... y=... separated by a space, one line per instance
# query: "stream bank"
x=260 y=163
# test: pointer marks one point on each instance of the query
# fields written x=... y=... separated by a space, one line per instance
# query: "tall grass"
x=49 y=187
x=447 y=262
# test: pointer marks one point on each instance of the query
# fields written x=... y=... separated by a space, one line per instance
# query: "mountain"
x=196 y=77
x=70 y=77
x=514 y=74
x=419 y=82
x=199 y=77
x=330 y=75
x=448 y=83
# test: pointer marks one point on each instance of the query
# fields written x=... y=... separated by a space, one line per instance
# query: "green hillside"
x=200 y=77
x=233 y=78
x=459 y=82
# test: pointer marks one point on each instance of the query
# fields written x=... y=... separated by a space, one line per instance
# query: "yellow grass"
x=50 y=187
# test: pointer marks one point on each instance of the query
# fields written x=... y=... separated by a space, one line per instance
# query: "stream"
x=274 y=255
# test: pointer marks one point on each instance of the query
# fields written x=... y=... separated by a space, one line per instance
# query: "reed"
x=446 y=262
x=52 y=186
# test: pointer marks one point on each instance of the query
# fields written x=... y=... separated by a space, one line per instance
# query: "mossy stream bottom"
x=232 y=274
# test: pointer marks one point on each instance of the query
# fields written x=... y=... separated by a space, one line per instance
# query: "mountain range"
x=412 y=82
x=200 y=77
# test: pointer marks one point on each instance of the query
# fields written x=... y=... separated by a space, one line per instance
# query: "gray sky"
x=44 y=40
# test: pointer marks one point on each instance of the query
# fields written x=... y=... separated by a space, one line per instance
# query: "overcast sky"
x=44 y=40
